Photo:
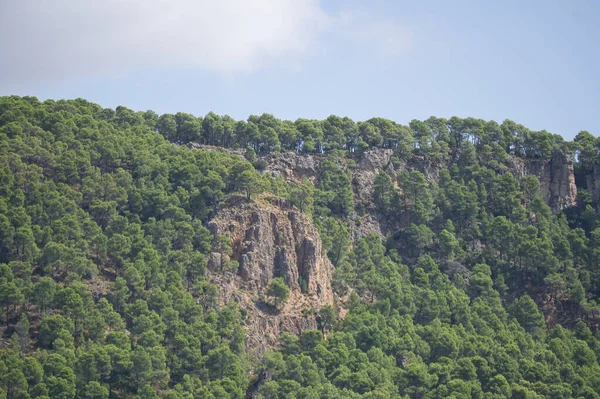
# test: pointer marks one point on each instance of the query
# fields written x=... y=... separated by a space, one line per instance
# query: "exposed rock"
x=363 y=177
x=272 y=240
x=375 y=159
x=292 y=167
x=425 y=166
x=516 y=166
x=216 y=260
x=556 y=176
x=361 y=226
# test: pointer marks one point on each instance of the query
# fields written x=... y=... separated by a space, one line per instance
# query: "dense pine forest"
x=459 y=274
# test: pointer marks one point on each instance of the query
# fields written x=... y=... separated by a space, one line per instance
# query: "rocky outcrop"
x=556 y=176
x=271 y=239
x=292 y=167
x=430 y=170
x=363 y=176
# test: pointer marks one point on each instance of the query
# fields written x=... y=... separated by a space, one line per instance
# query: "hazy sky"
x=533 y=61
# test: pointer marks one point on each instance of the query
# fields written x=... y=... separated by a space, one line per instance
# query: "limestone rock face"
x=556 y=176
x=363 y=177
x=430 y=170
x=269 y=240
x=292 y=167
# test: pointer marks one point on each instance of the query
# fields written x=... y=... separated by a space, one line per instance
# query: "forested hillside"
x=462 y=257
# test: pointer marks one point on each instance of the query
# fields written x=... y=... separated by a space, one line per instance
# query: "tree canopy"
x=478 y=290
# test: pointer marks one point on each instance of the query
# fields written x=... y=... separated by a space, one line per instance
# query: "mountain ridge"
x=322 y=259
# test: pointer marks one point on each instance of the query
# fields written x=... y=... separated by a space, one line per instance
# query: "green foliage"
x=480 y=290
x=303 y=196
x=385 y=195
x=101 y=231
x=327 y=318
x=278 y=290
x=334 y=194
x=335 y=237
x=250 y=182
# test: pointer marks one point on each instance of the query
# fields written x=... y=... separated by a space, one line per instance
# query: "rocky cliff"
x=363 y=176
x=292 y=167
x=556 y=176
x=269 y=239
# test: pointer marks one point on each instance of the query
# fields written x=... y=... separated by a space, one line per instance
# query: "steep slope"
x=269 y=240
x=556 y=176
x=122 y=256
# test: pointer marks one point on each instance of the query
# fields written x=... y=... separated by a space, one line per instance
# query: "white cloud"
x=381 y=34
x=61 y=39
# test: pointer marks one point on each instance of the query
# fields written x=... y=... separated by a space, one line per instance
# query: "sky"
x=536 y=62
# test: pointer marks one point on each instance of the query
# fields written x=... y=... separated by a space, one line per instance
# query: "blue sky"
x=535 y=62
